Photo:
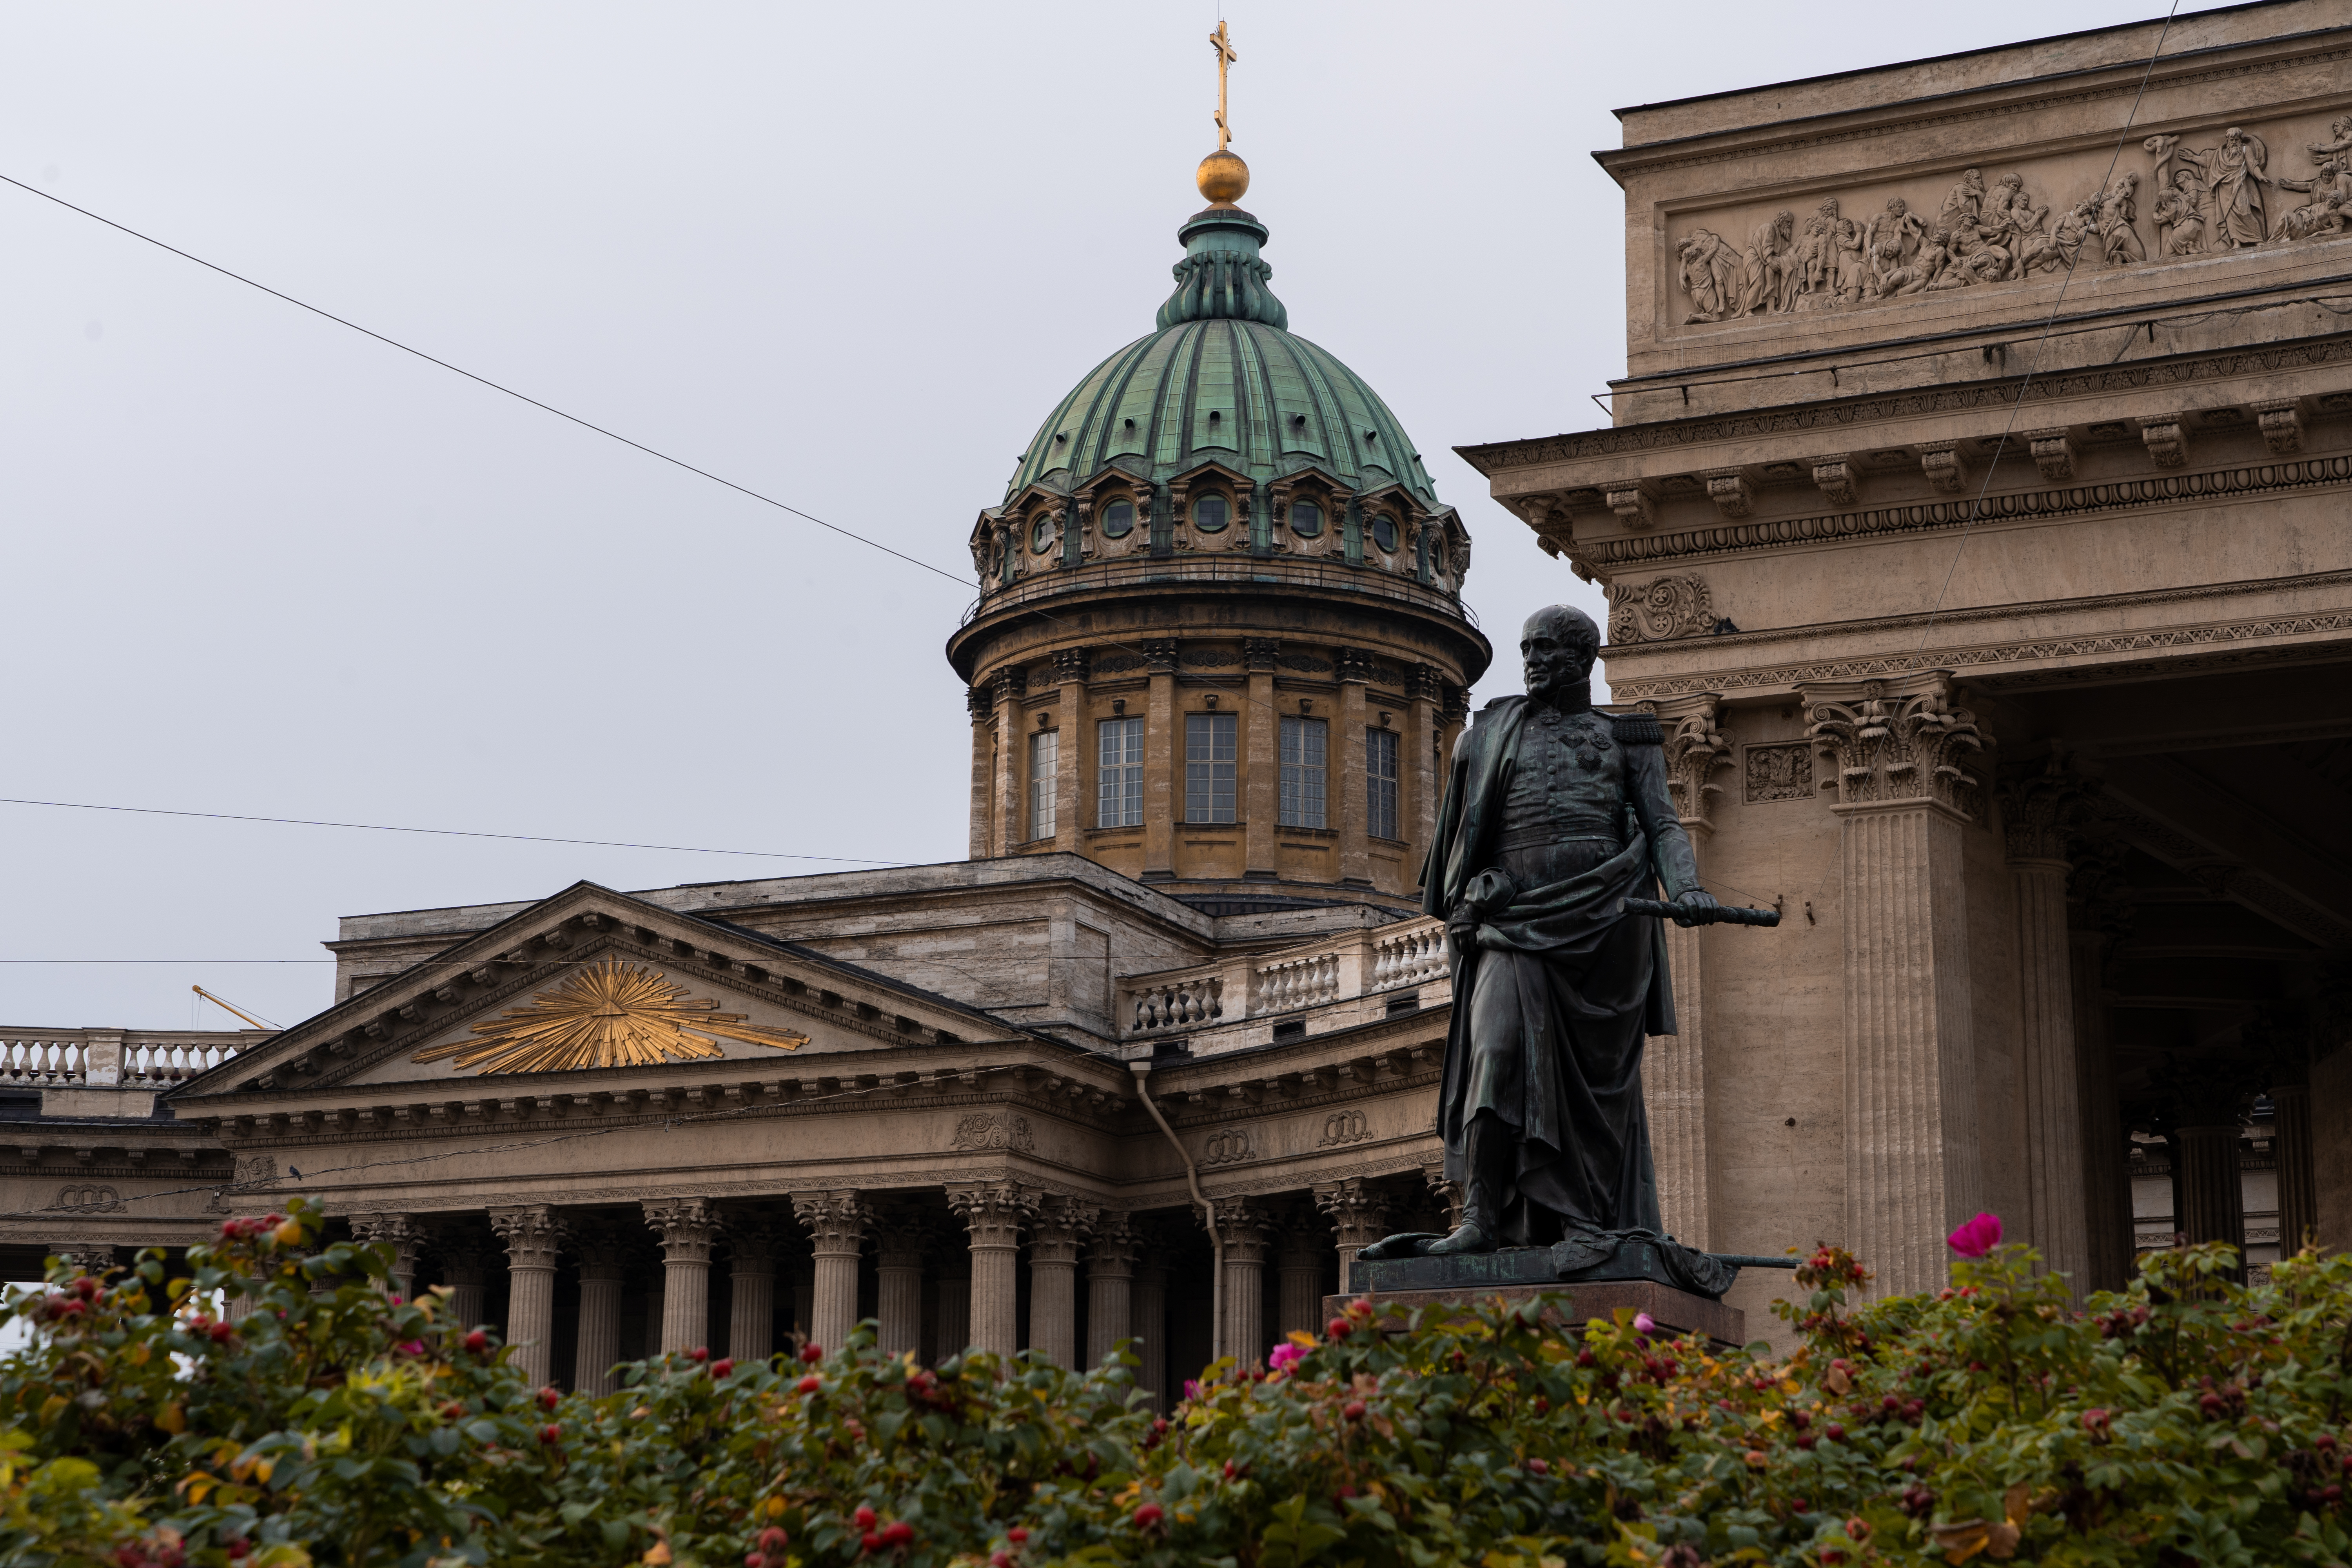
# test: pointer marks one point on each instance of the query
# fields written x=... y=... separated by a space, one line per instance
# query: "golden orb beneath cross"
x=1223 y=177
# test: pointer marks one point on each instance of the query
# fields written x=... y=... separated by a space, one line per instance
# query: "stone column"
x=1163 y=775
x=1071 y=816
x=1359 y=1213
x=1061 y=1225
x=1420 y=783
x=2037 y=812
x=1913 y=1166
x=984 y=771
x=1345 y=805
x=406 y=1236
x=900 y=1245
x=1299 y=1269
x=1260 y=801
x=1111 y=1279
x=1010 y=804
x=531 y=1236
x=464 y=1266
x=604 y=1266
x=1447 y=1192
x=2106 y=1176
x=1241 y=1227
x=2298 y=1190
x=1147 y=1317
x=686 y=1226
x=803 y=1278
x=994 y=1212
x=951 y=1332
x=1673 y=1067
x=2331 y=1146
x=836 y=1222
x=2211 y=1206
x=752 y=1309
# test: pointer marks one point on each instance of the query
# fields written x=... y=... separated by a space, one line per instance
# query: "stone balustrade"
x=1332 y=982
x=116 y=1058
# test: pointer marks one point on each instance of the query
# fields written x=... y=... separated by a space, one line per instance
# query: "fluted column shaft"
x=2331 y=1148
x=2205 y=1173
x=1298 y=1288
x=952 y=1331
x=1243 y=1229
x=993 y=1214
x=837 y=1223
x=463 y=1270
x=1110 y=1281
x=406 y=1236
x=686 y=1227
x=604 y=1266
x=2053 y=1111
x=1673 y=1067
x=2298 y=1190
x=1147 y=1316
x=1054 y=1280
x=531 y=1236
x=2106 y=1175
x=1913 y=1163
x=898 y=1298
x=751 y=1304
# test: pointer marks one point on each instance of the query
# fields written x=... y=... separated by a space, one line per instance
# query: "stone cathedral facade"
x=1980 y=539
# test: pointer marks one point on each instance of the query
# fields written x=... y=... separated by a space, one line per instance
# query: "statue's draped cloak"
x=1589 y=983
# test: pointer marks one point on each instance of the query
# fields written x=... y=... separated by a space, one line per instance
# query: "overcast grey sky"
x=848 y=254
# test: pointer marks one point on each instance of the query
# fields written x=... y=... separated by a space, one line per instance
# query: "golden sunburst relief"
x=611 y=1014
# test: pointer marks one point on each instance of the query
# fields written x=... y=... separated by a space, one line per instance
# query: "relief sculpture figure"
x=2021 y=226
x=2118 y=217
x=1964 y=200
x=2232 y=175
x=1768 y=281
x=1922 y=271
x=1893 y=239
x=1554 y=815
x=2180 y=214
x=1709 y=271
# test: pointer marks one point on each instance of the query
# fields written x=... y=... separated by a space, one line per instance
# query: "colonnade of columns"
x=1124 y=1267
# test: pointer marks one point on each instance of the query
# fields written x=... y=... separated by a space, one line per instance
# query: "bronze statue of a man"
x=1554 y=815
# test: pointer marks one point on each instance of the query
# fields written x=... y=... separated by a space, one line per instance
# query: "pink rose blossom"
x=1282 y=1356
x=1192 y=1388
x=1977 y=1237
x=1644 y=1324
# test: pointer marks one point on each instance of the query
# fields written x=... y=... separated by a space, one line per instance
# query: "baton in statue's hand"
x=1722 y=914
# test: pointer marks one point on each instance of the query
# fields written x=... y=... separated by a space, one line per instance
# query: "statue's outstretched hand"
x=1698 y=908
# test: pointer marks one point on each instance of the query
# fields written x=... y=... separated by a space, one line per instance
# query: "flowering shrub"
x=2187 y=1419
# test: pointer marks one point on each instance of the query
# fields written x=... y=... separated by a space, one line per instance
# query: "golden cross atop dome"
x=1223 y=44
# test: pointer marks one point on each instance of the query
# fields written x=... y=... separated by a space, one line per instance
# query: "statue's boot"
x=1491 y=1149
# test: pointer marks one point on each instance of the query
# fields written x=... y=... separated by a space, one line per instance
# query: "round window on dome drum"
x=1306 y=519
x=1209 y=515
x=1385 y=533
x=1040 y=533
x=1119 y=519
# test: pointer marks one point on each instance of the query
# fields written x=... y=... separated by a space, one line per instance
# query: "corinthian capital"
x=1895 y=741
x=836 y=1220
x=1694 y=748
x=993 y=1212
x=1356 y=1211
x=531 y=1235
x=2041 y=810
x=686 y=1227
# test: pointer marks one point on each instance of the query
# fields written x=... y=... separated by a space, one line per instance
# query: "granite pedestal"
x=1397 y=1286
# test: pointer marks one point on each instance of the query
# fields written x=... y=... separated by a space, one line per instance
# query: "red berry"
x=1000 y=1558
x=811 y=1351
x=1338 y=1328
x=1229 y=1469
x=897 y=1533
x=723 y=1367
x=2324 y=1442
x=1540 y=1466
x=549 y=1398
x=699 y=1353
x=1806 y=1441
x=477 y=1341
x=1800 y=1419
x=811 y=1383
x=871 y=1541
x=773 y=1538
x=1017 y=1534
x=238 y=1548
x=222 y=1332
x=1833 y=1432
x=550 y=1434
x=1149 y=1515
x=864 y=1517
x=755 y=1560
x=1353 y=1410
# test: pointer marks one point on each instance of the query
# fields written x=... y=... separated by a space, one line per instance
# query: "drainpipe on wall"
x=1208 y=1210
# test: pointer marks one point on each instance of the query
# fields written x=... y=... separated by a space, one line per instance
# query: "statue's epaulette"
x=1636 y=730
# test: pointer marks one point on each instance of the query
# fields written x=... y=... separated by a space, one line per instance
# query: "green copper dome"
x=1224 y=382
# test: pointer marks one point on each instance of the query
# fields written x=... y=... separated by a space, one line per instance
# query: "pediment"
x=594 y=982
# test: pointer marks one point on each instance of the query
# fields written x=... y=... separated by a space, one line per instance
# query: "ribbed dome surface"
x=1223 y=381
x=1253 y=397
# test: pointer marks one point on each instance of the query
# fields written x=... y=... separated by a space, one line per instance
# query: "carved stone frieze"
x=87 y=1197
x=1343 y=1127
x=1892 y=741
x=1228 y=1146
x=1776 y=771
x=993 y=1131
x=1659 y=610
